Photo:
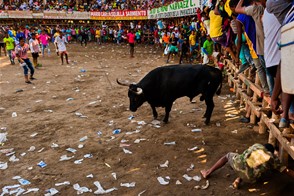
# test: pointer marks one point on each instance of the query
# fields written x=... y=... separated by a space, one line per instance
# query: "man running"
x=9 y=45
x=60 y=42
x=35 y=49
x=21 y=52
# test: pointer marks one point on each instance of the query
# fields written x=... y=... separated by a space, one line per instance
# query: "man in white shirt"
x=35 y=50
x=60 y=42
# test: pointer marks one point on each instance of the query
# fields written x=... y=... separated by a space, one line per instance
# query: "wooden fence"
x=249 y=92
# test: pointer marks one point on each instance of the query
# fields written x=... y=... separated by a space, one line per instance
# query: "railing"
x=250 y=93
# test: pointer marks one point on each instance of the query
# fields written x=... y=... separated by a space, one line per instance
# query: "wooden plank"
x=251 y=85
x=285 y=144
x=253 y=107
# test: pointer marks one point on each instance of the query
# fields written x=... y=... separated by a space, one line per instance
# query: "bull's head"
x=135 y=94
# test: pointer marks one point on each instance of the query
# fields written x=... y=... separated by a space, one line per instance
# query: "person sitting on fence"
x=250 y=166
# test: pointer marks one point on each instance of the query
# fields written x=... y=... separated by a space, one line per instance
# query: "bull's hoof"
x=165 y=121
x=207 y=122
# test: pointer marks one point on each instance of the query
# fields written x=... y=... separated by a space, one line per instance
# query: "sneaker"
x=283 y=123
x=32 y=78
x=243 y=68
x=244 y=120
x=28 y=82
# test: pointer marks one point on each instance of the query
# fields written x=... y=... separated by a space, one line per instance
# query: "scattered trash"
x=141 y=122
x=69 y=99
x=13 y=159
x=163 y=181
x=132 y=132
x=141 y=193
x=41 y=150
x=197 y=178
x=178 y=182
x=222 y=97
x=90 y=176
x=71 y=150
x=131 y=117
x=23 y=181
x=111 y=138
x=128 y=185
x=253 y=190
x=7 y=188
x=124 y=141
x=188 y=178
x=165 y=164
x=49 y=111
x=32 y=148
x=83 y=138
x=114 y=176
x=121 y=145
x=65 y=158
x=83 y=70
x=192 y=166
x=169 y=143
x=196 y=130
x=3 y=165
x=137 y=141
x=80 y=146
x=116 y=131
x=218 y=124
x=14 y=114
x=107 y=165
x=203 y=186
x=126 y=151
x=19 y=90
x=235 y=131
x=81 y=190
x=88 y=156
x=51 y=191
x=31 y=190
x=155 y=122
x=34 y=134
x=8 y=150
x=53 y=145
x=3 y=137
x=23 y=154
x=62 y=183
x=79 y=161
x=42 y=164
x=38 y=101
x=101 y=190
x=193 y=148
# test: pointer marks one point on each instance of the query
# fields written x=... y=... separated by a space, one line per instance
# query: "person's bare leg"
x=237 y=182
x=275 y=101
x=219 y=164
x=229 y=50
x=61 y=56
x=66 y=58
x=286 y=103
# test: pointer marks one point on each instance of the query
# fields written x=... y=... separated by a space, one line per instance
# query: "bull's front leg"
x=167 y=111
x=209 y=109
x=155 y=115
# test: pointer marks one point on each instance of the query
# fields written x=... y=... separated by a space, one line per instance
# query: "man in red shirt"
x=131 y=39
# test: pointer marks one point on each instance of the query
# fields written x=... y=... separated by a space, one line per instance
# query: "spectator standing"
x=35 y=50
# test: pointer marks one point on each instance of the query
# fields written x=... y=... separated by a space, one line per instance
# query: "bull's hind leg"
x=167 y=111
x=155 y=115
x=209 y=109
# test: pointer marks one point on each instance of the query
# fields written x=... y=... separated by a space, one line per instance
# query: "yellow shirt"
x=192 y=39
x=97 y=33
x=215 y=25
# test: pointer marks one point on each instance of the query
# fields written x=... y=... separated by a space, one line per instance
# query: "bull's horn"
x=139 y=91
x=122 y=83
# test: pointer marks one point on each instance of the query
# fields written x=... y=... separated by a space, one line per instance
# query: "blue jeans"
x=10 y=55
x=27 y=67
x=261 y=70
x=43 y=49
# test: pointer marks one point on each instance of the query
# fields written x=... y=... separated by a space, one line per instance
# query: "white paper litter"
x=141 y=122
x=3 y=165
x=81 y=190
x=178 y=182
x=13 y=159
x=165 y=164
x=196 y=130
x=90 y=176
x=83 y=138
x=33 y=135
x=53 y=145
x=137 y=141
x=114 y=175
x=32 y=148
x=197 y=178
x=41 y=150
x=23 y=154
x=128 y=185
x=5 y=190
x=17 y=191
x=206 y=185
x=126 y=151
x=14 y=114
x=192 y=166
x=79 y=161
x=169 y=143
x=193 y=148
x=141 y=193
x=51 y=191
x=162 y=181
x=31 y=190
x=80 y=146
x=132 y=132
x=100 y=190
x=62 y=183
x=188 y=178
x=65 y=158
x=155 y=122
x=235 y=131
x=3 y=137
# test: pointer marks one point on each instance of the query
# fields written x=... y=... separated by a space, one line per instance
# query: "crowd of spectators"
x=83 y=5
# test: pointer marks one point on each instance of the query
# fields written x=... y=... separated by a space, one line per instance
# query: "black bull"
x=163 y=85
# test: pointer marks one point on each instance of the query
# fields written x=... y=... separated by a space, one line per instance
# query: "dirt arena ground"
x=46 y=115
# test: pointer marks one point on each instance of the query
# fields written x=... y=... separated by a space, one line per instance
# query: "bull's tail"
x=218 y=92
